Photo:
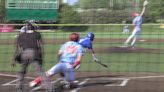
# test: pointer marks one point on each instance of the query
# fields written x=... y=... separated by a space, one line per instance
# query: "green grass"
x=111 y=31
x=125 y=62
x=118 y=62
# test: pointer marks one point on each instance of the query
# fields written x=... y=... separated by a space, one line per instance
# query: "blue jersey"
x=70 y=50
x=86 y=43
x=137 y=21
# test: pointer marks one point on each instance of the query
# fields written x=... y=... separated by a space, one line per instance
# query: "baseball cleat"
x=32 y=84
x=36 y=88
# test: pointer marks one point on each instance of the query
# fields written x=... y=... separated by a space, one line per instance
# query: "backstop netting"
x=130 y=69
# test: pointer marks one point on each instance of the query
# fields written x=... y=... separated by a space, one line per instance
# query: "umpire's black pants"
x=28 y=57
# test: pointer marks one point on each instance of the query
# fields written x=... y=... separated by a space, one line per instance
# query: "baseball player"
x=69 y=57
x=137 y=22
x=86 y=42
x=125 y=29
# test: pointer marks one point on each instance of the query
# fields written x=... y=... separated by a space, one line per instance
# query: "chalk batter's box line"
x=10 y=83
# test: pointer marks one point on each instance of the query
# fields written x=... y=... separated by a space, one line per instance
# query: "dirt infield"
x=99 y=82
x=125 y=49
x=105 y=50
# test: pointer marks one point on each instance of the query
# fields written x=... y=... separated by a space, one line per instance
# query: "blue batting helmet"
x=90 y=35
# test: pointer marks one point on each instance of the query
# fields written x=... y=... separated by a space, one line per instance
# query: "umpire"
x=29 y=51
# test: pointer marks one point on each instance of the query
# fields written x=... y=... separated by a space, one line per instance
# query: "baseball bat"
x=104 y=65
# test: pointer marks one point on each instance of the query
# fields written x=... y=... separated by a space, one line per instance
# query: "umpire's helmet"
x=29 y=24
x=90 y=35
x=74 y=37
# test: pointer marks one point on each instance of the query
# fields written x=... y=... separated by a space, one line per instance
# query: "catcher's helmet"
x=74 y=37
x=90 y=35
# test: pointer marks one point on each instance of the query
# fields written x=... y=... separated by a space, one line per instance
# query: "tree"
x=93 y=4
x=103 y=17
x=2 y=10
x=67 y=15
x=155 y=10
x=104 y=11
x=108 y=4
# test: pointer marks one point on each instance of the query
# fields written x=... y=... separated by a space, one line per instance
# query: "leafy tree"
x=110 y=4
x=68 y=15
x=155 y=10
x=2 y=10
x=104 y=11
x=104 y=17
x=93 y=4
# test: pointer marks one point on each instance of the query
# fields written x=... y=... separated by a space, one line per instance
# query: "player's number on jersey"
x=71 y=49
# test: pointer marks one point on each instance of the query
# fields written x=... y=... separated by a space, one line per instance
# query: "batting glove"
x=94 y=57
x=76 y=65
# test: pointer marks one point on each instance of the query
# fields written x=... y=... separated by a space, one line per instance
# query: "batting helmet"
x=90 y=35
x=74 y=37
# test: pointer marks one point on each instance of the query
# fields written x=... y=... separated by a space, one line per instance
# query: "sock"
x=38 y=80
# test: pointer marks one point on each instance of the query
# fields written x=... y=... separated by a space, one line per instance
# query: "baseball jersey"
x=137 y=21
x=70 y=50
x=86 y=42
